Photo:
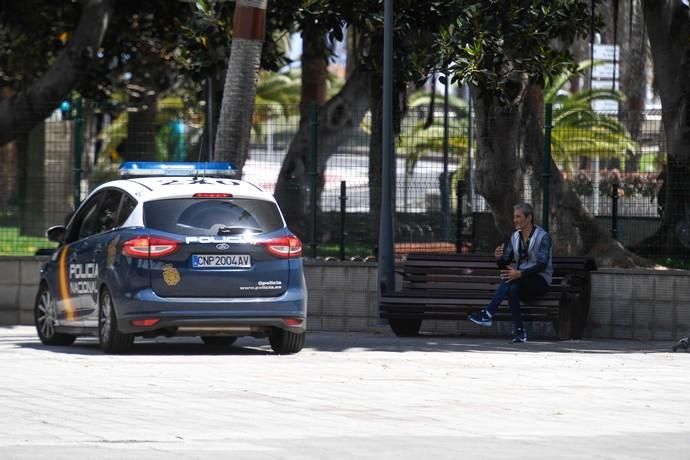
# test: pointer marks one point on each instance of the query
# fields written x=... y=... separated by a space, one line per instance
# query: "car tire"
x=111 y=340
x=218 y=340
x=285 y=342
x=44 y=319
x=405 y=327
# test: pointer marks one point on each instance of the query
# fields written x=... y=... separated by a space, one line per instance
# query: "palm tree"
x=237 y=107
x=579 y=131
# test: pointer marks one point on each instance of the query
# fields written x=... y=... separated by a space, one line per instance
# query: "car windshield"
x=211 y=217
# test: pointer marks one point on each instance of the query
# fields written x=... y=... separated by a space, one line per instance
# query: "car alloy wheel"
x=44 y=319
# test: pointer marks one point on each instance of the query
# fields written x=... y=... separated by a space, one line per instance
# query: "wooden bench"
x=451 y=286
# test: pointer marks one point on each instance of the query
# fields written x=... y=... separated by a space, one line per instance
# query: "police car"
x=174 y=249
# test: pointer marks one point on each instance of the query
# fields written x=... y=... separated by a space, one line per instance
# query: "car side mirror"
x=56 y=233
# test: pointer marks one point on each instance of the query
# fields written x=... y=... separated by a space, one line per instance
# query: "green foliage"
x=417 y=138
x=578 y=130
x=14 y=244
x=494 y=44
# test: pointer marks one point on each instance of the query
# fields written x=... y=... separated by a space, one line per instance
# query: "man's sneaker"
x=481 y=317
x=520 y=336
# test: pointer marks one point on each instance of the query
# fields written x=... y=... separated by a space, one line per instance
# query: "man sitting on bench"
x=526 y=269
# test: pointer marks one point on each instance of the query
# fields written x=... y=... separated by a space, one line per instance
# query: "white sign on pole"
x=605 y=84
x=606 y=52
x=605 y=105
x=605 y=70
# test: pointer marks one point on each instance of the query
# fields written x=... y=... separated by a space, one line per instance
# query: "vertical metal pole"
x=343 y=200
x=78 y=147
x=386 y=263
x=546 y=174
x=314 y=175
x=445 y=195
x=458 y=231
x=614 y=210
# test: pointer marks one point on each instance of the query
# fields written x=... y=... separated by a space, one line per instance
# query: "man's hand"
x=510 y=274
x=498 y=252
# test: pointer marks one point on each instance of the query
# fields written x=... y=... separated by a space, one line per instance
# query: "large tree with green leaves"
x=506 y=52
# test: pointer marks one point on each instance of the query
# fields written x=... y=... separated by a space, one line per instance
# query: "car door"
x=74 y=271
x=92 y=256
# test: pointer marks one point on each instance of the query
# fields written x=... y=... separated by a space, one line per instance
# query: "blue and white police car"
x=174 y=249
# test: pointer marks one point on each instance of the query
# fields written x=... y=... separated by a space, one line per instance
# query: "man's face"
x=520 y=221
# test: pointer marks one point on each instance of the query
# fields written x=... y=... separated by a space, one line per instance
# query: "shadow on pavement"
x=340 y=341
x=24 y=337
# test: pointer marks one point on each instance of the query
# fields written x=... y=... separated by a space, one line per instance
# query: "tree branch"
x=23 y=111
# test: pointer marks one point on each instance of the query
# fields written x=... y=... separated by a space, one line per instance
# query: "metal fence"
x=43 y=175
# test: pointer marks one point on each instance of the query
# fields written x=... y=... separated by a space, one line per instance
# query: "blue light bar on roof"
x=157 y=168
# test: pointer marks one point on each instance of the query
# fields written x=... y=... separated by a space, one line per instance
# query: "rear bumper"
x=208 y=316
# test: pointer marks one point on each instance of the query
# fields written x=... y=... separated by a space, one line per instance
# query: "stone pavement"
x=347 y=395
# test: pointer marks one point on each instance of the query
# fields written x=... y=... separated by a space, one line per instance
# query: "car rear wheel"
x=285 y=342
x=110 y=338
x=218 y=340
x=44 y=319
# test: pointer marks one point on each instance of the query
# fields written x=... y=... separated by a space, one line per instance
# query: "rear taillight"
x=285 y=247
x=147 y=246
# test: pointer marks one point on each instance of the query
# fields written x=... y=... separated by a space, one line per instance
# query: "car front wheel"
x=44 y=319
x=285 y=342
x=110 y=338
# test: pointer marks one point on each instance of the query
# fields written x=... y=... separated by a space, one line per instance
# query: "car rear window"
x=211 y=217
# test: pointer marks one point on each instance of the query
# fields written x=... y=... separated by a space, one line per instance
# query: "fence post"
x=546 y=173
x=614 y=210
x=313 y=176
x=78 y=147
x=343 y=200
x=458 y=228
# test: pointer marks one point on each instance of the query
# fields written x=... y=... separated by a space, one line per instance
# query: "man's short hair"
x=525 y=208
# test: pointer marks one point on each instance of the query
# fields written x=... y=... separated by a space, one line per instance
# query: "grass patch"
x=671 y=262
x=333 y=250
x=14 y=244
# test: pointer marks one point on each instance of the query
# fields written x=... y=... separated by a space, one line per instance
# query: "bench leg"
x=405 y=327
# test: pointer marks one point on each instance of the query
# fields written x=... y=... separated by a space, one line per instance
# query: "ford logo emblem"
x=222 y=246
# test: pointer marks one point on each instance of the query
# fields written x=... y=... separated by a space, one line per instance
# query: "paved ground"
x=345 y=396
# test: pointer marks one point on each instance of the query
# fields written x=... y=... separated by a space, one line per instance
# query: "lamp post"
x=386 y=262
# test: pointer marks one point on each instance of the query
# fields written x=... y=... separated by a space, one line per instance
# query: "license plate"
x=221 y=261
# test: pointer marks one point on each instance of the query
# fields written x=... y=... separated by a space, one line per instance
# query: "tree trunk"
x=668 y=27
x=234 y=126
x=573 y=229
x=338 y=119
x=633 y=65
x=21 y=112
x=498 y=177
x=8 y=165
x=314 y=71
